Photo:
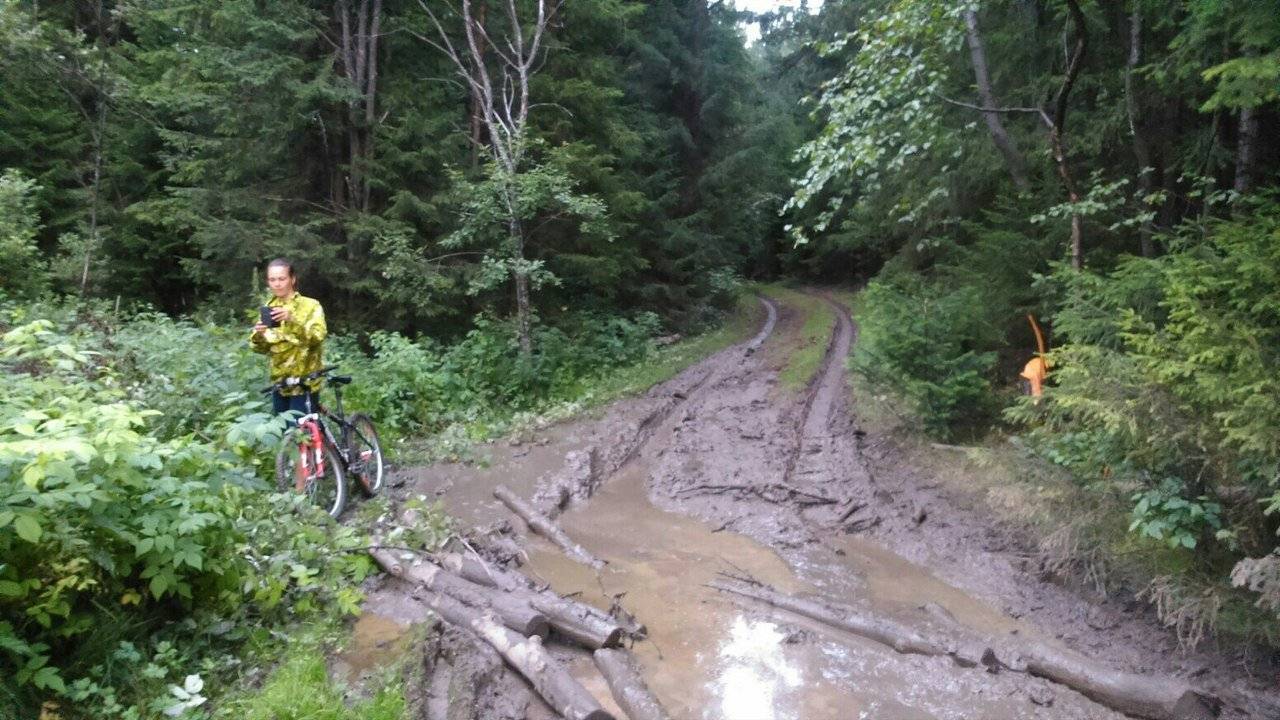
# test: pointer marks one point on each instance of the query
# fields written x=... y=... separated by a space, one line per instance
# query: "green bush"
x=1170 y=374
x=934 y=321
x=923 y=342
x=25 y=273
x=121 y=530
x=417 y=386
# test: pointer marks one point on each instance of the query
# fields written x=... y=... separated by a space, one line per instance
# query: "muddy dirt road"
x=725 y=473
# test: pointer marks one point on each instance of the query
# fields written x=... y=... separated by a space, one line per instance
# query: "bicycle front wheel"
x=318 y=474
x=364 y=455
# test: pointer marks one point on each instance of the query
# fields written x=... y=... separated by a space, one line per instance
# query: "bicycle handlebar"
x=296 y=381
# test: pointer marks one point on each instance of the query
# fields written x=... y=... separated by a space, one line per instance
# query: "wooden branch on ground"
x=511 y=610
x=569 y=617
x=628 y=686
x=549 y=679
x=850 y=619
x=1159 y=698
x=762 y=491
x=543 y=525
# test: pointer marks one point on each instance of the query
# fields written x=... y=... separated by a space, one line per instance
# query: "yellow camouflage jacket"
x=296 y=347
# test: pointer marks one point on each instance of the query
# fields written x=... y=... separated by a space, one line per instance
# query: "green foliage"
x=934 y=336
x=1162 y=513
x=25 y=273
x=535 y=197
x=127 y=533
x=414 y=387
x=923 y=341
x=1168 y=379
x=880 y=111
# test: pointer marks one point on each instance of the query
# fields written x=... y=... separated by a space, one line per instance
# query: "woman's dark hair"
x=281 y=262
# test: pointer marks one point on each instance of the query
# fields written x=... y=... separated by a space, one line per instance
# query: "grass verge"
x=299 y=687
x=669 y=361
x=799 y=348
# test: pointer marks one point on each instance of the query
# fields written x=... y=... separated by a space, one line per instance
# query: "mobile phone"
x=264 y=314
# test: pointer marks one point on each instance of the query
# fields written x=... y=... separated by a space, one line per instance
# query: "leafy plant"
x=1162 y=513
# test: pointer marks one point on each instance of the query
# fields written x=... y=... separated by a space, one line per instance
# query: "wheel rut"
x=718 y=473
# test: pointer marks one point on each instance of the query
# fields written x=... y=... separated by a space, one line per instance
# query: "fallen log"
x=850 y=619
x=543 y=525
x=549 y=679
x=576 y=621
x=628 y=686
x=511 y=610
x=1158 y=698
x=585 y=629
x=481 y=572
x=1161 y=698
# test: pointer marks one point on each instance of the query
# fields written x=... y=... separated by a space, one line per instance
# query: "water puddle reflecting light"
x=757 y=675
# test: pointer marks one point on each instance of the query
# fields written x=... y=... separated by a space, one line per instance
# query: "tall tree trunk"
x=1246 y=149
x=99 y=137
x=1058 y=129
x=977 y=52
x=524 y=313
x=515 y=233
x=504 y=107
x=358 y=56
x=689 y=101
x=371 y=99
x=1141 y=147
x=95 y=194
x=476 y=131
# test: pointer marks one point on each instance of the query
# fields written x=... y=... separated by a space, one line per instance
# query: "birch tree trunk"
x=501 y=98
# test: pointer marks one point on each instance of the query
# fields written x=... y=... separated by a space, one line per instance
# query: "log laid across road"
x=544 y=526
x=513 y=612
x=628 y=686
x=576 y=621
x=1158 y=698
x=526 y=654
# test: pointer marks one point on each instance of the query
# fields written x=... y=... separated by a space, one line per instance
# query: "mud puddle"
x=376 y=641
x=711 y=657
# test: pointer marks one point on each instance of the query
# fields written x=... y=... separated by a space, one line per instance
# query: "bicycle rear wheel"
x=324 y=483
x=364 y=455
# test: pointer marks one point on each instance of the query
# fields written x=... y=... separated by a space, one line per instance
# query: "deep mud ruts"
x=722 y=471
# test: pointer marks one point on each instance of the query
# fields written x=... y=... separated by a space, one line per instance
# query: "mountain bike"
x=317 y=461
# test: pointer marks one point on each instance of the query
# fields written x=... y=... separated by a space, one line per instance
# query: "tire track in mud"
x=827 y=383
x=721 y=366
x=581 y=476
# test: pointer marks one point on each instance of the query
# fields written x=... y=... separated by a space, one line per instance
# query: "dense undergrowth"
x=1162 y=403
x=142 y=548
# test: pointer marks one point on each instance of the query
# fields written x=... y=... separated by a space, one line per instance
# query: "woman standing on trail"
x=294 y=340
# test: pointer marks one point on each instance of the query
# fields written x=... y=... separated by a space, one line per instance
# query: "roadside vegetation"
x=1143 y=236
x=142 y=541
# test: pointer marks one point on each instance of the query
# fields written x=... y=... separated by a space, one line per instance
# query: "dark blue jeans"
x=284 y=403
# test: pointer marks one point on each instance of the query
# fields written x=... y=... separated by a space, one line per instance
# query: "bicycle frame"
x=315 y=432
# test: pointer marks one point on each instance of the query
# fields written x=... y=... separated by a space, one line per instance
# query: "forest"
x=513 y=211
